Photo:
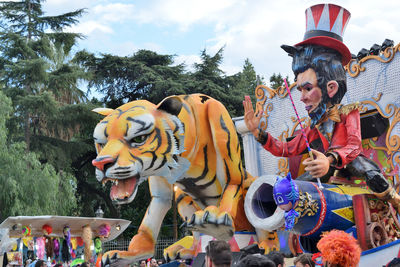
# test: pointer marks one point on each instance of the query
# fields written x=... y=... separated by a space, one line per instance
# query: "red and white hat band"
x=330 y=18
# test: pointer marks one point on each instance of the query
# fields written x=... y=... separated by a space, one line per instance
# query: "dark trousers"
x=361 y=167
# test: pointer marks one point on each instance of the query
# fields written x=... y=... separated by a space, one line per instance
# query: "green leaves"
x=29 y=187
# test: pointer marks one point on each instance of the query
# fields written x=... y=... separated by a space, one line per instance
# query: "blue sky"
x=252 y=29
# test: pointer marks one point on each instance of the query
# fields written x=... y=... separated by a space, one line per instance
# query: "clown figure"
x=334 y=134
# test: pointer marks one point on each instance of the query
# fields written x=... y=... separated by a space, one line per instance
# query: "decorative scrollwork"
x=354 y=67
x=305 y=122
x=306 y=205
x=392 y=142
x=283 y=166
x=391 y=111
x=264 y=121
x=262 y=96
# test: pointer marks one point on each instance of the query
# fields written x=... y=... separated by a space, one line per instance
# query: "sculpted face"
x=311 y=94
x=133 y=142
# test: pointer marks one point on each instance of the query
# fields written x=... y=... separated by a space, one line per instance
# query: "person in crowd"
x=40 y=263
x=255 y=260
x=153 y=263
x=304 y=260
x=339 y=249
x=218 y=254
x=277 y=258
x=142 y=263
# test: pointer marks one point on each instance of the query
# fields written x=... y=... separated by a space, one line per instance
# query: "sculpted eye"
x=279 y=199
x=138 y=139
x=100 y=135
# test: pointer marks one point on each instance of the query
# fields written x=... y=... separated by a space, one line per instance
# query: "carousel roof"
x=35 y=223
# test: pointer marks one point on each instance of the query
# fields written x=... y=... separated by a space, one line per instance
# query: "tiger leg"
x=268 y=240
x=142 y=245
x=229 y=163
x=186 y=208
x=220 y=221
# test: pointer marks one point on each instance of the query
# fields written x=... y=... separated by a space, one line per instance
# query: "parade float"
x=57 y=239
x=343 y=203
x=187 y=147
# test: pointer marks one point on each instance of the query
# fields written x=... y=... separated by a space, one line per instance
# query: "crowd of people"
x=337 y=249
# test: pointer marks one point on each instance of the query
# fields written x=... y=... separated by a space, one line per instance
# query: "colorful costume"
x=334 y=130
x=343 y=143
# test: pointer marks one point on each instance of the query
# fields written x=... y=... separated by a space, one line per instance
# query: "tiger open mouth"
x=123 y=190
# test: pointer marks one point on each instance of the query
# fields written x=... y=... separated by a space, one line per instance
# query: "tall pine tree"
x=27 y=42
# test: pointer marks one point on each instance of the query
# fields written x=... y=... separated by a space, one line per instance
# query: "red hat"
x=325 y=25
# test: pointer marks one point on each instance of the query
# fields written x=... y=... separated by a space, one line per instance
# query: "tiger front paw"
x=116 y=258
x=211 y=221
x=141 y=247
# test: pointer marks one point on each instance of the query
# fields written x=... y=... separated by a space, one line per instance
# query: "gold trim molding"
x=354 y=67
x=262 y=97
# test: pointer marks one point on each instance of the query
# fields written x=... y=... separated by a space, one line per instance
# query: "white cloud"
x=90 y=27
x=124 y=49
x=188 y=60
x=116 y=12
x=183 y=13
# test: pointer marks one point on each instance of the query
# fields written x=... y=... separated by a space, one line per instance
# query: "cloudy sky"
x=252 y=29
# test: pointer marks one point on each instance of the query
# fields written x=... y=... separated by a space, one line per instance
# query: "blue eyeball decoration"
x=286 y=191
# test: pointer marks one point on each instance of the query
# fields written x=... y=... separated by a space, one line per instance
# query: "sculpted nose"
x=303 y=97
x=100 y=162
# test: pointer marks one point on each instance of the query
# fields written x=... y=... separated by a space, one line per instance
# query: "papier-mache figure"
x=334 y=133
x=286 y=195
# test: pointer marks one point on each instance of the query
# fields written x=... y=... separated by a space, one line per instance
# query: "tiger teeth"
x=113 y=181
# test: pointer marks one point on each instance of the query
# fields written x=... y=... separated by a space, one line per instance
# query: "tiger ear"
x=103 y=111
x=172 y=105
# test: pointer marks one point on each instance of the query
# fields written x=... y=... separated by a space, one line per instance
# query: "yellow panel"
x=341 y=189
x=346 y=213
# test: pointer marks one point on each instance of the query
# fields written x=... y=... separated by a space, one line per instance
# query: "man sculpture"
x=334 y=132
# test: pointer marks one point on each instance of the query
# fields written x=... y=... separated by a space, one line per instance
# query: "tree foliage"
x=276 y=80
x=39 y=75
x=29 y=41
x=29 y=187
x=144 y=75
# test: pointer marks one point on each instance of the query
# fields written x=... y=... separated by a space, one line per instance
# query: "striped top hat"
x=325 y=25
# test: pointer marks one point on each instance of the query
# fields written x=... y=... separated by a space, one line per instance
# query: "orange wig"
x=339 y=248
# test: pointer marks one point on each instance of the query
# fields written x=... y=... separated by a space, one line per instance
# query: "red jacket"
x=346 y=140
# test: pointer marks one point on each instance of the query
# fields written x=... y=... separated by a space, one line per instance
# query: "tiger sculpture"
x=188 y=142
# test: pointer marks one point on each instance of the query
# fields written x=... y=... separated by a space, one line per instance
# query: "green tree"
x=144 y=75
x=208 y=78
x=276 y=80
x=41 y=76
x=29 y=187
x=26 y=40
x=239 y=85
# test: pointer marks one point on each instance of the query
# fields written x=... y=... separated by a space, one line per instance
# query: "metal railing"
x=123 y=244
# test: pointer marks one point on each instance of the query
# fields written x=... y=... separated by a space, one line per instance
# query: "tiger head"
x=138 y=140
